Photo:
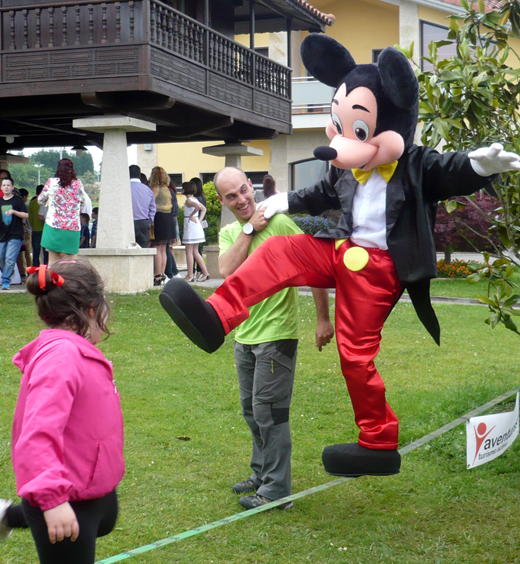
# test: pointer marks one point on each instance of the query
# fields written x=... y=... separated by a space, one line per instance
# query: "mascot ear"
x=397 y=78
x=326 y=59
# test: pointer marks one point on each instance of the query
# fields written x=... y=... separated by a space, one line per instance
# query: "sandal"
x=202 y=278
x=157 y=280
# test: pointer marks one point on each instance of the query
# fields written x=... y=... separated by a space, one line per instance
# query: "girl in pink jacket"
x=67 y=444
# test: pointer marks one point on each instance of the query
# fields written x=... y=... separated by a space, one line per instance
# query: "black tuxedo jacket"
x=423 y=177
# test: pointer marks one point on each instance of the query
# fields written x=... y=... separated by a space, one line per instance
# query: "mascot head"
x=374 y=109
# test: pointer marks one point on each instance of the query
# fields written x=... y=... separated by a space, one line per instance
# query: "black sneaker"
x=257 y=500
x=246 y=486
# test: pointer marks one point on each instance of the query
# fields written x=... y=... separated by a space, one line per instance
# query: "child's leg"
x=96 y=518
x=9 y=260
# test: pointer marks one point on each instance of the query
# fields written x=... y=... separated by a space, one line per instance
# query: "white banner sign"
x=490 y=435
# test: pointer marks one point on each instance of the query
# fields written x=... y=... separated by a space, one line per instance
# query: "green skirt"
x=60 y=240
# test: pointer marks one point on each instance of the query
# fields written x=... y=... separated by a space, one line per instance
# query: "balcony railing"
x=310 y=96
x=52 y=26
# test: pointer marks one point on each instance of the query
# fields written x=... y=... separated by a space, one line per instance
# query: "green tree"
x=51 y=157
x=470 y=101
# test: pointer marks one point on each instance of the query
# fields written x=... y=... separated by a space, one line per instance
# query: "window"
x=375 y=54
x=176 y=178
x=257 y=178
x=304 y=173
x=207 y=177
x=432 y=32
x=262 y=51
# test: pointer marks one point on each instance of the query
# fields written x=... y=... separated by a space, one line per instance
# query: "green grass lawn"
x=186 y=444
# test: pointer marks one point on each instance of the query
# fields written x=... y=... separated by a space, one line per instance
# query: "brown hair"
x=189 y=188
x=159 y=177
x=68 y=305
x=65 y=172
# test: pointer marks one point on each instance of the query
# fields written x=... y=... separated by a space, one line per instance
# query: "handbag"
x=204 y=224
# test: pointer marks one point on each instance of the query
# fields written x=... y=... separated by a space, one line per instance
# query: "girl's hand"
x=194 y=219
x=9 y=212
x=61 y=522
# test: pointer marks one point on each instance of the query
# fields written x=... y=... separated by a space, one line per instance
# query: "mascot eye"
x=361 y=130
x=337 y=123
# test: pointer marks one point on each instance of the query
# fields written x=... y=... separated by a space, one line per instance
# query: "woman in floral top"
x=63 y=195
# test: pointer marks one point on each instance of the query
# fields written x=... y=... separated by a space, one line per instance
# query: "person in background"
x=84 y=241
x=143 y=179
x=25 y=257
x=12 y=214
x=201 y=197
x=269 y=186
x=143 y=206
x=193 y=233
x=67 y=438
x=63 y=195
x=163 y=225
x=171 y=270
x=37 y=224
x=4 y=173
x=93 y=233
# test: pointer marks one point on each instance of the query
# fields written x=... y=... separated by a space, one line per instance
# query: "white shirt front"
x=369 y=213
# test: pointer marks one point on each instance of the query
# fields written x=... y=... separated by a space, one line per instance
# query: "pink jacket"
x=68 y=427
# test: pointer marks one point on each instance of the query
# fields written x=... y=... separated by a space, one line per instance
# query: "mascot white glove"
x=493 y=160
x=275 y=204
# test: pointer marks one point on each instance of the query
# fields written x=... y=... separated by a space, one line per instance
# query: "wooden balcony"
x=65 y=60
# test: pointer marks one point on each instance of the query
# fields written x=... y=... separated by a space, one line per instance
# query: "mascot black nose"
x=325 y=153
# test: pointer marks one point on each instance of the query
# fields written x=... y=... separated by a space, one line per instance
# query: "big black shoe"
x=353 y=460
x=195 y=317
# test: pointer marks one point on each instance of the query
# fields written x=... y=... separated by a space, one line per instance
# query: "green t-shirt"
x=33 y=208
x=276 y=317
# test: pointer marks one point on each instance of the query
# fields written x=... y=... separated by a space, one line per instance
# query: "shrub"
x=311 y=225
x=466 y=228
x=213 y=214
x=457 y=269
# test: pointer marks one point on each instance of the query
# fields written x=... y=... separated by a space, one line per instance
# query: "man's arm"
x=324 y=327
x=237 y=253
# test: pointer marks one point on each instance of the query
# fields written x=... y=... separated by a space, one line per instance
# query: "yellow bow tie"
x=386 y=171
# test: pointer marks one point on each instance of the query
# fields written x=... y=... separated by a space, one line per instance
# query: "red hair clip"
x=41 y=270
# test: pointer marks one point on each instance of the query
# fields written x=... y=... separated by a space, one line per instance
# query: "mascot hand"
x=275 y=204
x=493 y=160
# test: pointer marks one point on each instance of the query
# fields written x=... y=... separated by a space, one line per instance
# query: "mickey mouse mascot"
x=387 y=189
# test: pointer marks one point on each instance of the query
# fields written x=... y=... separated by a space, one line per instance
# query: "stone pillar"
x=233 y=152
x=409 y=28
x=125 y=267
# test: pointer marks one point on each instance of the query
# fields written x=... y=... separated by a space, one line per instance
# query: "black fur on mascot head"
x=375 y=106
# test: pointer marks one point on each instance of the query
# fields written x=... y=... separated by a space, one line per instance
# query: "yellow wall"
x=362 y=25
x=188 y=158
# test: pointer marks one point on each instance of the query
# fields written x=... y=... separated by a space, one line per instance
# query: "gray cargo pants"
x=265 y=379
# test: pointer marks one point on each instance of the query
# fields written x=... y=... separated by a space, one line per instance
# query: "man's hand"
x=275 y=204
x=493 y=160
x=61 y=522
x=324 y=333
x=258 y=219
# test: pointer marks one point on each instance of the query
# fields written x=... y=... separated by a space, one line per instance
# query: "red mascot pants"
x=363 y=301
